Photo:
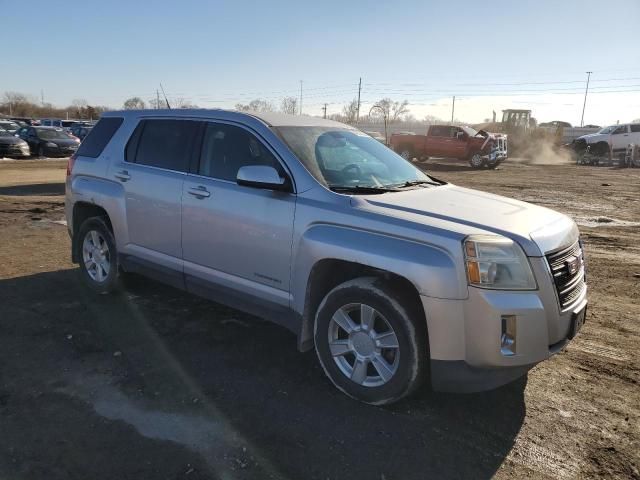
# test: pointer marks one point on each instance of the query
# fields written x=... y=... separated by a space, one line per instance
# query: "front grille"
x=567 y=268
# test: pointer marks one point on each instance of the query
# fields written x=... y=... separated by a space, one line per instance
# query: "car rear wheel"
x=98 y=256
x=476 y=161
x=406 y=153
x=368 y=344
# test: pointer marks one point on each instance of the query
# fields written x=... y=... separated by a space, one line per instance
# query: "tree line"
x=17 y=104
x=20 y=105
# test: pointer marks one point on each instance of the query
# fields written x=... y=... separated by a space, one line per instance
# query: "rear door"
x=436 y=141
x=458 y=144
x=152 y=173
x=236 y=239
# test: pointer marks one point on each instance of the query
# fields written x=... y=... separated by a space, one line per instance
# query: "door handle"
x=122 y=175
x=199 y=192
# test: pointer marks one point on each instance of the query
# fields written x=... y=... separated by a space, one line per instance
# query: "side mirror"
x=262 y=176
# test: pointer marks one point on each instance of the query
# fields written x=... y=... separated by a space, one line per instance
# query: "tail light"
x=72 y=160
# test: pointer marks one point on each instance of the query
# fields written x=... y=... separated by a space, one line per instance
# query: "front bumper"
x=14 y=151
x=465 y=335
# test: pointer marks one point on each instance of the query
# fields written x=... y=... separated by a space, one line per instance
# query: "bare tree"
x=182 y=103
x=257 y=105
x=392 y=111
x=134 y=103
x=156 y=103
x=79 y=106
x=289 y=105
x=350 y=111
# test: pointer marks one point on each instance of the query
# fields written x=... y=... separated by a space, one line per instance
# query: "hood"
x=593 y=136
x=11 y=140
x=536 y=229
x=63 y=142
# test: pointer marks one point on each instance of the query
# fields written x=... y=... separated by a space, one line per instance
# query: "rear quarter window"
x=635 y=128
x=99 y=137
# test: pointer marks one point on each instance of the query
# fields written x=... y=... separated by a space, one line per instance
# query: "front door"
x=620 y=138
x=152 y=174
x=236 y=239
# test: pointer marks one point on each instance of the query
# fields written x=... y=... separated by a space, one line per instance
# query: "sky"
x=491 y=55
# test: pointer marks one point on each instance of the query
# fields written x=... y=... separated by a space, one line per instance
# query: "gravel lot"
x=154 y=383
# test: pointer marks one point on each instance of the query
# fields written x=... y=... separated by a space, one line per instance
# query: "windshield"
x=9 y=125
x=607 y=129
x=341 y=158
x=469 y=131
x=52 y=134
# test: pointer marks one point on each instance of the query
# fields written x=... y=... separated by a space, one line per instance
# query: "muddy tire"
x=368 y=344
x=476 y=161
x=98 y=256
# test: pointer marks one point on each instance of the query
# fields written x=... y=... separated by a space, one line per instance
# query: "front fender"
x=430 y=268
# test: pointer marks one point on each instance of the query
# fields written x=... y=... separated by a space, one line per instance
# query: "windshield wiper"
x=413 y=183
x=361 y=189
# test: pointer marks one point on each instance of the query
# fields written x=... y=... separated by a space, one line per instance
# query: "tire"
x=98 y=256
x=359 y=367
x=476 y=161
x=406 y=153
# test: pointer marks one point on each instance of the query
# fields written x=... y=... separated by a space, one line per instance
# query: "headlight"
x=50 y=145
x=493 y=261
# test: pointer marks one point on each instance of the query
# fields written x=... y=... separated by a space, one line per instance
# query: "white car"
x=614 y=139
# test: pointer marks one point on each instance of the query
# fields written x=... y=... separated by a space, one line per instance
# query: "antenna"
x=165 y=97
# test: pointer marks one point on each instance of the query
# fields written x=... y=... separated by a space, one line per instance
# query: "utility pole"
x=325 y=111
x=300 y=97
x=359 y=90
x=42 y=97
x=157 y=99
x=453 y=108
x=585 y=98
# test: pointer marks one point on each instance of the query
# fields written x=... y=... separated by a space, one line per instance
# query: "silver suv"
x=393 y=276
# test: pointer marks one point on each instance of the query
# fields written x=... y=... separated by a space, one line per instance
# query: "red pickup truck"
x=478 y=147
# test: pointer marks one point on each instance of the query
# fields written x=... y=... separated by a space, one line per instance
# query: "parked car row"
x=40 y=141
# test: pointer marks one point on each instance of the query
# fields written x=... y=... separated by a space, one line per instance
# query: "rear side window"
x=440 y=131
x=163 y=144
x=635 y=128
x=100 y=135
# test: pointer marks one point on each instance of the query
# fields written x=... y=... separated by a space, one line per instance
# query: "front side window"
x=227 y=148
x=349 y=159
x=51 y=134
x=621 y=129
x=164 y=144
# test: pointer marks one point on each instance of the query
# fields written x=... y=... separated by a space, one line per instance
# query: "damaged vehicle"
x=609 y=143
x=479 y=148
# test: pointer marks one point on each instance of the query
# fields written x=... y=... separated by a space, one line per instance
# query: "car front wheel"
x=368 y=344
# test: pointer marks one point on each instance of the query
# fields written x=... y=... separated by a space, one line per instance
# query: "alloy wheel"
x=363 y=345
x=96 y=256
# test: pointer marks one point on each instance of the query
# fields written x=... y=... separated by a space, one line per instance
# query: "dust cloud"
x=542 y=152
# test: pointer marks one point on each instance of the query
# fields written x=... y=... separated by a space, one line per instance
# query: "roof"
x=274 y=119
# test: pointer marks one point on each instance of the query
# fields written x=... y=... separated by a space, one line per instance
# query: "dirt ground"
x=154 y=383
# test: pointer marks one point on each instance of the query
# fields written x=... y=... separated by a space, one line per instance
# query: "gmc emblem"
x=573 y=265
